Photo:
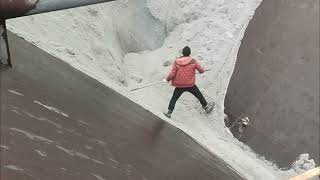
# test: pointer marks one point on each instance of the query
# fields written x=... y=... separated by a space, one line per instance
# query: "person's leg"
x=196 y=92
x=176 y=95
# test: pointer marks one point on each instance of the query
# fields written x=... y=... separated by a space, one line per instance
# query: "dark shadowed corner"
x=276 y=81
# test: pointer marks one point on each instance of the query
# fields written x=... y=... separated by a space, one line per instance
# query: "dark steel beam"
x=17 y=8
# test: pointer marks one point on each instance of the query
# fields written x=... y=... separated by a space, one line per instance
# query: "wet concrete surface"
x=276 y=81
x=57 y=123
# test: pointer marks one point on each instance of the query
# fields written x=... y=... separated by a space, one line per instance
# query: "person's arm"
x=173 y=72
x=199 y=68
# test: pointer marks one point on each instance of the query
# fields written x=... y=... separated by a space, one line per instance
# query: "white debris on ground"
x=51 y=108
x=128 y=44
x=13 y=167
x=303 y=163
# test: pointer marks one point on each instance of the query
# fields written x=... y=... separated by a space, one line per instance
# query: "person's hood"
x=184 y=61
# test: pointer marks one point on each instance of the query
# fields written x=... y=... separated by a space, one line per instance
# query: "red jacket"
x=183 y=72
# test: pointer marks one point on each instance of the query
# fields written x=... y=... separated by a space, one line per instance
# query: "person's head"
x=186 y=51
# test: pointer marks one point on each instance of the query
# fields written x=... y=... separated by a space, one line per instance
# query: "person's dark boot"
x=209 y=107
x=168 y=114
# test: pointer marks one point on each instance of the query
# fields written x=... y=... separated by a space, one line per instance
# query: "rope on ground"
x=149 y=85
x=153 y=84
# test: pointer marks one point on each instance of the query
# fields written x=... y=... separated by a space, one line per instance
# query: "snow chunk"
x=15 y=92
x=303 y=163
x=52 y=108
x=41 y=153
x=4 y=147
x=32 y=136
x=97 y=176
x=13 y=167
x=81 y=155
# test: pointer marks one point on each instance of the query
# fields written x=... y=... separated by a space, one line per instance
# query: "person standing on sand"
x=182 y=77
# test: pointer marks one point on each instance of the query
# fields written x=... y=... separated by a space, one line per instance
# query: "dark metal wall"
x=276 y=78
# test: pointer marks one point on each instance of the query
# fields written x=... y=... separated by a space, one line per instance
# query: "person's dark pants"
x=179 y=91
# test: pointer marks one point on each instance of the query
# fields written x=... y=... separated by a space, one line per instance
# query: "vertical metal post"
x=5 y=57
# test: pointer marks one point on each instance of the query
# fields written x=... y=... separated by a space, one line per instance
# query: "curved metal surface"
x=276 y=80
x=14 y=8
x=17 y=8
